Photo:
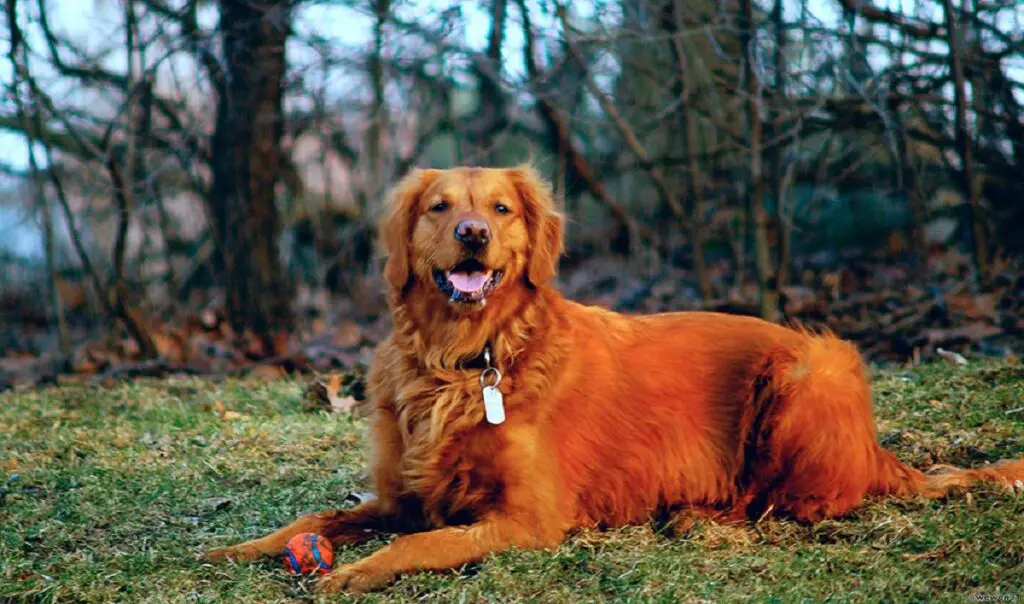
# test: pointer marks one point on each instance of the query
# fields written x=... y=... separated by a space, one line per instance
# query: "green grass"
x=110 y=494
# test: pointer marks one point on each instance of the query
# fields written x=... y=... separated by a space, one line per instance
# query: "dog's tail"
x=900 y=480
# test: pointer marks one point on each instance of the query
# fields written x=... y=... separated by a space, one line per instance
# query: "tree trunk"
x=21 y=90
x=491 y=119
x=378 y=110
x=694 y=183
x=246 y=165
x=964 y=143
x=783 y=176
x=908 y=179
x=915 y=198
x=759 y=217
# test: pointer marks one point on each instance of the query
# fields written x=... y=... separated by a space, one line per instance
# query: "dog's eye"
x=439 y=207
x=501 y=208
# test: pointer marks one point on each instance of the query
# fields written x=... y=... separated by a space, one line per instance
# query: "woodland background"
x=194 y=186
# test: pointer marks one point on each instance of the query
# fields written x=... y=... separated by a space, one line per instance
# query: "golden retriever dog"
x=507 y=416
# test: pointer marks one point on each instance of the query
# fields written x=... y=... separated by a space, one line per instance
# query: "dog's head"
x=469 y=233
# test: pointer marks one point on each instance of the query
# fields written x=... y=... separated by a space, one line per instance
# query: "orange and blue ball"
x=308 y=553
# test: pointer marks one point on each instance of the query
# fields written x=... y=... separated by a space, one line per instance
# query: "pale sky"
x=94 y=24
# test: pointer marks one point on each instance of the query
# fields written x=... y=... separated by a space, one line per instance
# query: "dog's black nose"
x=474 y=234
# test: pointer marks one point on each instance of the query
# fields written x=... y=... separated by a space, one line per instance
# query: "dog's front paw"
x=351 y=578
x=242 y=552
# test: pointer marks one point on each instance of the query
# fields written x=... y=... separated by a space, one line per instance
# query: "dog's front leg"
x=528 y=517
x=340 y=526
x=440 y=549
x=352 y=525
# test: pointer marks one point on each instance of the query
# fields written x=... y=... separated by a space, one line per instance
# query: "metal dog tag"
x=494 y=402
x=494 y=405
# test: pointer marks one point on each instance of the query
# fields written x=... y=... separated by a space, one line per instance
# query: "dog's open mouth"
x=468 y=282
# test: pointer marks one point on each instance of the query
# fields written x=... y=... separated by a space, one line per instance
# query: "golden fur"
x=610 y=418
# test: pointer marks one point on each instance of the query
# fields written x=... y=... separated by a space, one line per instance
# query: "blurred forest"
x=194 y=186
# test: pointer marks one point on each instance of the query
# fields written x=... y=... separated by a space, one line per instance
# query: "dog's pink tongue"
x=468 y=282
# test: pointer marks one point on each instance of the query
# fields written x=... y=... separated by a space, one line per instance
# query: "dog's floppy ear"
x=543 y=223
x=399 y=220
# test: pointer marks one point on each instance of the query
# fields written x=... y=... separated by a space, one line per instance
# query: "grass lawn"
x=109 y=494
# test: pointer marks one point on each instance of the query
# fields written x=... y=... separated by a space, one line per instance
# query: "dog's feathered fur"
x=610 y=418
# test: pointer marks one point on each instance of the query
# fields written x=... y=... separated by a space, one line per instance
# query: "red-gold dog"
x=506 y=415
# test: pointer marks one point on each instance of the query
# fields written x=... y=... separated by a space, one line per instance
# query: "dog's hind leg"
x=815 y=454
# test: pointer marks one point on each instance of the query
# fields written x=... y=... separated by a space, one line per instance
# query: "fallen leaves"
x=225 y=413
x=894 y=311
x=333 y=393
x=200 y=343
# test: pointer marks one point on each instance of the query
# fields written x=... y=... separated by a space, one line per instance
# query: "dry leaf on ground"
x=326 y=393
x=224 y=413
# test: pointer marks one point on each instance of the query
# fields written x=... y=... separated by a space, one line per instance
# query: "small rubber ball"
x=308 y=553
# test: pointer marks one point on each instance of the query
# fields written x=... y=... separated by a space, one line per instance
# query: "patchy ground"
x=110 y=494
